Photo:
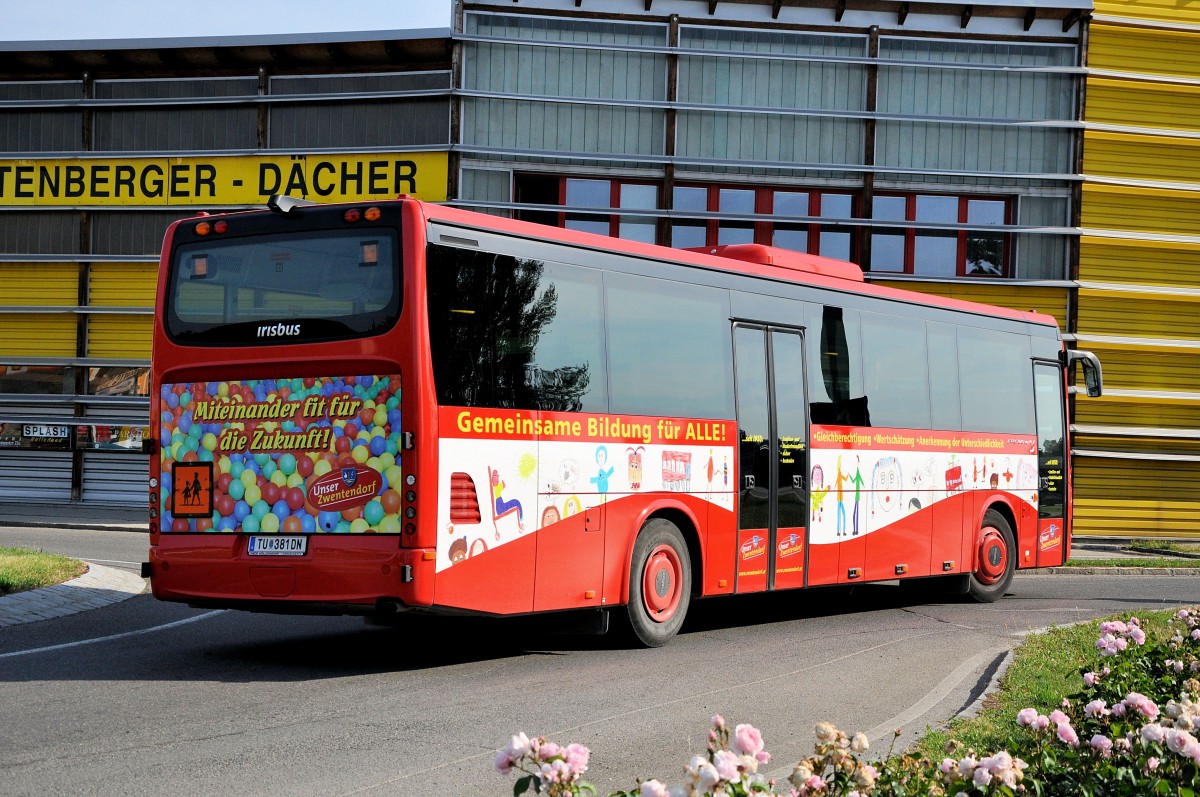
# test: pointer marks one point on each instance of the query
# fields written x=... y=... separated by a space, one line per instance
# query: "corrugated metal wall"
x=79 y=282
x=1138 y=447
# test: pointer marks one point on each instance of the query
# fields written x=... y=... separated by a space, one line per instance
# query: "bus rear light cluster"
x=356 y=214
x=205 y=228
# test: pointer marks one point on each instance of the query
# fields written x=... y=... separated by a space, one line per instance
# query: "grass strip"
x=22 y=569
x=1045 y=668
x=1135 y=561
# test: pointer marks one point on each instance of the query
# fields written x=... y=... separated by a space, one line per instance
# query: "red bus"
x=398 y=406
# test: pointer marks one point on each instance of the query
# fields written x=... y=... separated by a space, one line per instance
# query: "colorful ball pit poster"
x=313 y=455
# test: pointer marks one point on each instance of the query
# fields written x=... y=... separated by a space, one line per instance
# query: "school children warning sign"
x=192 y=489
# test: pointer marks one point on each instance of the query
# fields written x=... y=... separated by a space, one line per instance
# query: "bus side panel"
x=570 y=561
x=901 y=548
x=822 y=564
x=949 y=521
x=499 y=582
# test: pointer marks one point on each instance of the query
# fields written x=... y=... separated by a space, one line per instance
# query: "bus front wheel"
x=660 y=583
x=995 y=559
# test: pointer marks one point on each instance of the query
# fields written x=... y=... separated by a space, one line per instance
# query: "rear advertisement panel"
x=290 y=456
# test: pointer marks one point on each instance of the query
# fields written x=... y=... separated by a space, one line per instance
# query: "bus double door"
x=772 y=457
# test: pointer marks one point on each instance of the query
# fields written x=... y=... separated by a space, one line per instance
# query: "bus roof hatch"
x=785 y=258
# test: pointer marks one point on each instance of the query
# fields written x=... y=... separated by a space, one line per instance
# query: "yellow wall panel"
x=1136 y=498
x=1109 y=207
x=1051 y=301
x=42 y=284
x=119 y=336
x=1171 y=11
x=1136 y=369
x=1139 y=262
x=1121 y=411
x=1140 y=316
x=1143 y=157
x=1159 y=51
x=1164 y=445
x=1138 y=479
x=122 y=284
x=38 y=335
x=1142 y=104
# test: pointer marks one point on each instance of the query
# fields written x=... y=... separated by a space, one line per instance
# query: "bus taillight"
x=464 y=502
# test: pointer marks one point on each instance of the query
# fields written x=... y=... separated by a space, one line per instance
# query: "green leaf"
x=522 y=785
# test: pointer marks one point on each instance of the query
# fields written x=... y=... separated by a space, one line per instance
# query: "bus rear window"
x=285 y=288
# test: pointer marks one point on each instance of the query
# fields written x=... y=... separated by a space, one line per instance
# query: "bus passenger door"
x=772 y=458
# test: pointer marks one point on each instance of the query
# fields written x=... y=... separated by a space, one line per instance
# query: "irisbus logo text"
x=278 y=330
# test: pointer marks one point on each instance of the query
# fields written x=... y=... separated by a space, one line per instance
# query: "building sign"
x=51 y=436
x=222 y=179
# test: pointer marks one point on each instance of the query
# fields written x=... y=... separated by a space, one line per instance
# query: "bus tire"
x=660 y=583
x=996 y=559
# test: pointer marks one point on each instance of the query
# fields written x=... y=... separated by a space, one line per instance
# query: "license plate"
x=274 y=545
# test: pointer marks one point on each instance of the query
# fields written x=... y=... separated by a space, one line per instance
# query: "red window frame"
x=962 y=236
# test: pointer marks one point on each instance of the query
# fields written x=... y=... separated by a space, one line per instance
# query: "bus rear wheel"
x=660 y=583
x=995 y=559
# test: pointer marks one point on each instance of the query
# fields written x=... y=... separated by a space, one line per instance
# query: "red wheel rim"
x=662 y=583
x=993 y=556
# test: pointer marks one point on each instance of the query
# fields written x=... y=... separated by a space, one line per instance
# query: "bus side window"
x=835 y=371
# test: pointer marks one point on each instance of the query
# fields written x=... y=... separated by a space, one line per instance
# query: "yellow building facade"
x=1138 y=448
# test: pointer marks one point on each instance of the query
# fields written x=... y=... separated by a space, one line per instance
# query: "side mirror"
x=1093 y=377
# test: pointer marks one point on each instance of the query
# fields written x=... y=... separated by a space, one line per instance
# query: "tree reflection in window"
x=513 y=333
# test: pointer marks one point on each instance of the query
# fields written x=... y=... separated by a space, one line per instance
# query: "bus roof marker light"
x=352 y=215
x=372 y=214
x=203 y=228
x=221 y=227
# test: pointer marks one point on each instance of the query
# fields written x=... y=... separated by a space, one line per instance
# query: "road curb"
x=99 y=586
x=1112 y=571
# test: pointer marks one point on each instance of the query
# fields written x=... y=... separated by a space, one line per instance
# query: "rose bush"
x=1131 y=731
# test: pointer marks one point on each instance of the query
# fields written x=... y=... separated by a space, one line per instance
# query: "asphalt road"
x=193 y=702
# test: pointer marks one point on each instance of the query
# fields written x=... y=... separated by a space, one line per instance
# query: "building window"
x=932 y=250
x=929 y=235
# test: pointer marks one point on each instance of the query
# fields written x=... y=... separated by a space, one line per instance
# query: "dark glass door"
x=772 y=457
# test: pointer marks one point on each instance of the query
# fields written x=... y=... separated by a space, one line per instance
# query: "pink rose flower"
x=1067 y=735
x=652 y=788
x=1143 y=704
x=982 y=777
x=577 y=757
x=1178 y=741
x=547 y=750
x=1026 y=717
x=1153 y=733
x=518 y=746
x=747 y=740
x=1059 y=718
x=726 y=763
x=1101 y=744
x=1097 y=708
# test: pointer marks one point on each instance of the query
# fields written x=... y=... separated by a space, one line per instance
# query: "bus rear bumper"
x=336 y=575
